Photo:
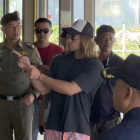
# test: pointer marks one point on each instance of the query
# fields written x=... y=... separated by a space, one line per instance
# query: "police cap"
x=128 y=71
x=10 y=17
x=105 y=28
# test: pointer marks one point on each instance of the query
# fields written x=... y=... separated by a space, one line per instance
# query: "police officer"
x=16 y=92
x=126 y=99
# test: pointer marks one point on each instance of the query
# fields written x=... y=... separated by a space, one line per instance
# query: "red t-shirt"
x=47 y=54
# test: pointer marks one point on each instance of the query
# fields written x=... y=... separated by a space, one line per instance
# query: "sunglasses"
x=39 y=31
x=72 y=37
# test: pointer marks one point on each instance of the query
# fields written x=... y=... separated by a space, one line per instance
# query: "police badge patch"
x=23 y=53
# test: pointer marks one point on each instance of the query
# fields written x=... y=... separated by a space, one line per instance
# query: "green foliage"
x=1 y=38
x=120 y=54
x=117 y=44
x=1 y=35
x=130 y=43
x=129 y=23
x=55 y=35
x=1 y=11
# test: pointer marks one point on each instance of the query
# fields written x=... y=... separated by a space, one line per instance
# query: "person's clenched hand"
x=28 y=99
x=24 y=62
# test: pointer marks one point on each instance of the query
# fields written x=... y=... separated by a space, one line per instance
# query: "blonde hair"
x=88 y=47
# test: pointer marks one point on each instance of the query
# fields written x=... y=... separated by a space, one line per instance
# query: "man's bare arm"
x=60 y=86
x=24 y=64
x=44 y=83
x=40 y=87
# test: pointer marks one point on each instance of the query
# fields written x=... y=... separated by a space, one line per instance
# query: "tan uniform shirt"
x=13 y=80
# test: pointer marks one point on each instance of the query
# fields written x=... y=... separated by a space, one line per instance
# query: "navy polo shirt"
x=102 y=109
x=128 y=129
x=71 y=113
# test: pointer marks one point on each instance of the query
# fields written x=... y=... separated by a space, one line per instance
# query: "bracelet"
x=39 y=76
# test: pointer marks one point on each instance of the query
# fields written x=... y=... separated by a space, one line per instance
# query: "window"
x=108 y=8
x=16 y=5
x=53 y=15
x=78 y=12
x=123 y=15
x=116 y=8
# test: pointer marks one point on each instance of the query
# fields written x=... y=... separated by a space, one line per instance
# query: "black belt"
x=12 y=98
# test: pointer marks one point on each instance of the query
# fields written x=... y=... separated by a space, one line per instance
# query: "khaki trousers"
x=18 y=117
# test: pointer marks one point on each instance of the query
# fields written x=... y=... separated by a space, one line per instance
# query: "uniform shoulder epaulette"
x=29 y=45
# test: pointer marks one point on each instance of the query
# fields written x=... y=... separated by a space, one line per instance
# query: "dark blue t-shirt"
x=71 y=113
x=102 y=109
x=128 y=129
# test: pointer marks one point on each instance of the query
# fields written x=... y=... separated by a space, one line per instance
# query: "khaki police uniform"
x=15 y=85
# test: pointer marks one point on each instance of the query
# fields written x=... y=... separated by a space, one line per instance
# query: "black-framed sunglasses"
x=72 y=37
x=39 y=31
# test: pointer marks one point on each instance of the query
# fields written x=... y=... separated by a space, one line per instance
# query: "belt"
x=12 y=98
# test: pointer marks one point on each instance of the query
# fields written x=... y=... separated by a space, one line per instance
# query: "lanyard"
x=108 y=60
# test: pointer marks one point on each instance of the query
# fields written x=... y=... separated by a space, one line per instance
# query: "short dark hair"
x=105 y=28
x=63 y=34
x=40 y=20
